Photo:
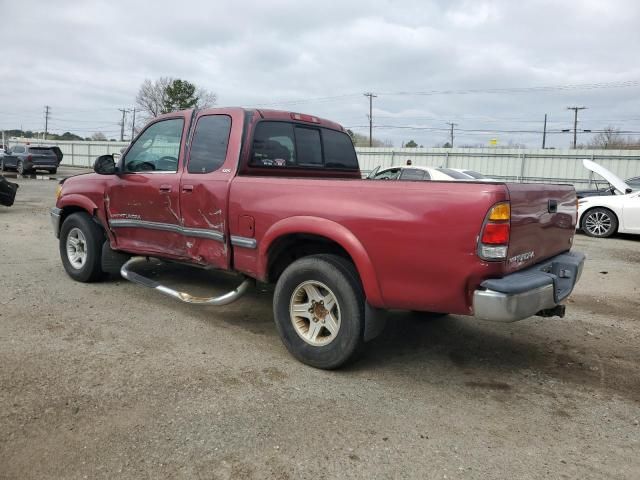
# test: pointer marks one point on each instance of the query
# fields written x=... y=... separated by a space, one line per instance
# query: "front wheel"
x=318 y=307
x=20 y=167
x=599 y=222
x=81 y=242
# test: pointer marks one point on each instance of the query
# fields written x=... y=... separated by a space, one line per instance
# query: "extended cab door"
x=143 y=200
x=204 y=187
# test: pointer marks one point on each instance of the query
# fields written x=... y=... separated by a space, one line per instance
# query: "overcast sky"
x=88 y=58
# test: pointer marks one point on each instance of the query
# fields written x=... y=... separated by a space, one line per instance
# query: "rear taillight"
x=29 y=158
x=494 y=238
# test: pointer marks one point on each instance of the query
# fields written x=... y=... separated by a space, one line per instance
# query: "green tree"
x=181 y=95
x=411 y=144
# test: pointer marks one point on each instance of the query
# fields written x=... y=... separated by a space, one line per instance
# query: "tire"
x=1 y=165
x=332 y=277
x=20 y=167
x=599 y=222
x=53 y=171
x=90 y=238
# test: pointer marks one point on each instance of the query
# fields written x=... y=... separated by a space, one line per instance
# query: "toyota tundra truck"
x=278 y=197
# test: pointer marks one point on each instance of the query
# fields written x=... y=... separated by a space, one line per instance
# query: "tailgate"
x=43 y=156
x=543 y=222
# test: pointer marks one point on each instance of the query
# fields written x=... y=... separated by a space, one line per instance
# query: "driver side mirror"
x=105 y=165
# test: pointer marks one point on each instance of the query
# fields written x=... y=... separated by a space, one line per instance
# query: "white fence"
x=532 y=165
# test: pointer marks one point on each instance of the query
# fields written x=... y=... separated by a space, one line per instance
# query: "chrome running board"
x=225 y=299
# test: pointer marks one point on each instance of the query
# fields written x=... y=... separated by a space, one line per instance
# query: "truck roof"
x=268 y=114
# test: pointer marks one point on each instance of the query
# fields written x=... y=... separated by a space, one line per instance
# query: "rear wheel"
x=1 y=165
x=599 y=222
x=318 y=307
x=20 y=167
x=81 y=242
x=53 y=171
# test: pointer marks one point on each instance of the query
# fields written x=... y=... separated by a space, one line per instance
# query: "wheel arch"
x=74 y=203
x=296 y=237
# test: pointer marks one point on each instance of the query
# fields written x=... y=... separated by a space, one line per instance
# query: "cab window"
x=157 y=149
x=209 y=144
x=284 y=144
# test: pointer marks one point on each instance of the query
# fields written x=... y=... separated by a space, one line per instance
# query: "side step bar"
x=225 y=299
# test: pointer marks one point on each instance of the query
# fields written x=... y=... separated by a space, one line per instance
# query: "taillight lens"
x=29 y=157
x=496 y=234
x=494 y=238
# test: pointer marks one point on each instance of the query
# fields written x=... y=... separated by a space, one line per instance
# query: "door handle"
x=187 y=188
x=165 y=188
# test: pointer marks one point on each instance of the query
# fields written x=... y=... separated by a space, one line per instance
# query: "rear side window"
x=454 y=174
x=413 y=174
x=209 y=145
x=338 y=150
x=17 y=149
x=283 y=144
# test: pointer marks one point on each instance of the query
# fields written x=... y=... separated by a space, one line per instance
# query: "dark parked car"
x=604 y=188
x=7 y=192
x=27 y=159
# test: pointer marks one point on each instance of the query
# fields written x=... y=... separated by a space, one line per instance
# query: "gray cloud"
x=86 y=59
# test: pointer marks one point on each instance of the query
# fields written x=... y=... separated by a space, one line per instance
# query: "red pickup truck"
x=278 y=197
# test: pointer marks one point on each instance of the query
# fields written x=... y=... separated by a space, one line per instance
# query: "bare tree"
x=205 y=98
x=153 y=100
x=99 y=137
x=609 y=138
x=152 y=96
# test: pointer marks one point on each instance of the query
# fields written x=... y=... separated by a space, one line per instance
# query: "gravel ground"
x=112 y=380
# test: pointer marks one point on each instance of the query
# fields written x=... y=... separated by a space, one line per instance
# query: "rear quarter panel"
x=419 y=237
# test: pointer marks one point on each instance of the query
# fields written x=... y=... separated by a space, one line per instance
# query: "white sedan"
x=602 y=216
x=416 y=172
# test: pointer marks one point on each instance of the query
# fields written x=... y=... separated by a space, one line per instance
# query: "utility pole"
x=371 y=97
x=124 y=113
x=46 y=120
x=575 y=123
x=133 y=124
x=544 y=132
x=451 y=124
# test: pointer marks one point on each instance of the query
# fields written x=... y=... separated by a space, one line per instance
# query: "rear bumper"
x=534 y=291
x=56 y=215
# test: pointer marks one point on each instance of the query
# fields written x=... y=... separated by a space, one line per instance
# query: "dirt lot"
x=112 y=380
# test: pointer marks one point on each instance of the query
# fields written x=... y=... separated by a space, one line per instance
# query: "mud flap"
x=8 y=192
x=112 y=260
x=375 y=320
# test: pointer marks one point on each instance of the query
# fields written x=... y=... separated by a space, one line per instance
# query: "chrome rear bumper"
x=534 y=291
